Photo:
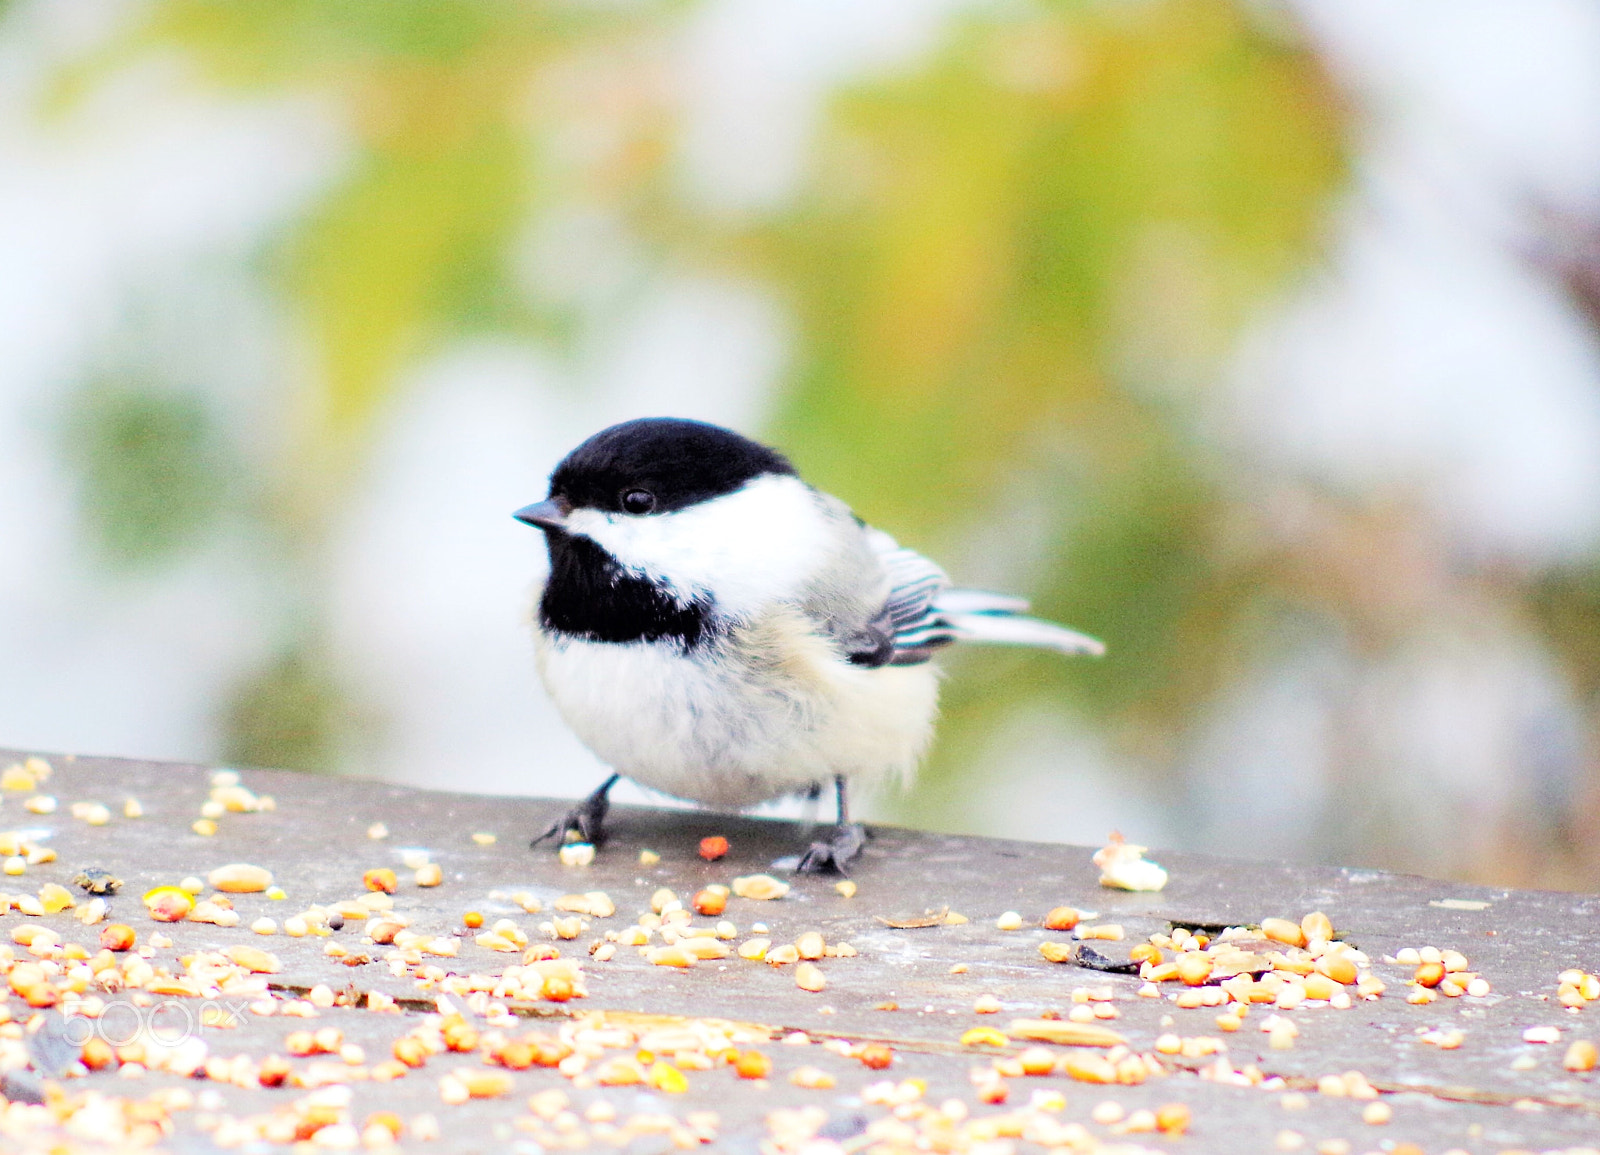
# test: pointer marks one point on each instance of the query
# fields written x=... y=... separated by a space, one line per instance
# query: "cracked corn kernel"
x=429 y=874
x=380 y=879
x=986 y=1005
x=761 y=887
x=752 y=1065
x=845 y=888
x=709 y=903
x=1010 y=920
x=1284 y=931
x=1376 y=1113
x=984 y=1037
x=809 y=977
x=812 y=1079
x=205 y=827
x=1061 y=918
x=240 y=878
x=648 y=858
x=132 y=808
x=1581 y=1056
x=810 y=945
x=484 y=838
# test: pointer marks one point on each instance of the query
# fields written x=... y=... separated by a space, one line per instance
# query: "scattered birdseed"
x=1542 y=1035
x=713 y=848
x=204 y=827
x=40 y=804
x=1377 y=1113
x=132 y=808
x=845 y=888
x=483 y=838
x=429 y=874
x=1010 y=920
x=648 y=858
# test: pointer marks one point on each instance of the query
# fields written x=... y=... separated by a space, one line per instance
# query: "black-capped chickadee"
x=714 y=628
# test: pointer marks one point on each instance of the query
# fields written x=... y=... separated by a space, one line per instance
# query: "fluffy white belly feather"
x=765 y=711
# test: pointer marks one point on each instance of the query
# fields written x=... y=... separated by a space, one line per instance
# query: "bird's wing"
x=923 y=613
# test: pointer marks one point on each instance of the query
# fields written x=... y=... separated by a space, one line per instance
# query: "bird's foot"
x=586 y=820
x=842 y=846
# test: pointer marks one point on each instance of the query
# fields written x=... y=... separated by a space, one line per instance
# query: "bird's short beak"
x=550 y=514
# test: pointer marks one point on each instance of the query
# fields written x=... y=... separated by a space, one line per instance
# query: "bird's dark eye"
x=638 y=501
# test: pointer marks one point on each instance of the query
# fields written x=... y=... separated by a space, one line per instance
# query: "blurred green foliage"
x=152 y=471
x=1013 y=267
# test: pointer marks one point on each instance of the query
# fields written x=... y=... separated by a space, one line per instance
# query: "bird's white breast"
x=766 y=709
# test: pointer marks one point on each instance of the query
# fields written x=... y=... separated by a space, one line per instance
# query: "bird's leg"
x=842 y=845
x=587 y=818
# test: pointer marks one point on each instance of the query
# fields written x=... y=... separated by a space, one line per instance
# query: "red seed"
x=713 y=848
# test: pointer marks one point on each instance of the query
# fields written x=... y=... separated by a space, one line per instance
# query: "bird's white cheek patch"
x=745 y=550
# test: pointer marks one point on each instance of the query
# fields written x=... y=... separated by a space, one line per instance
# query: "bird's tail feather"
x=1009 y=628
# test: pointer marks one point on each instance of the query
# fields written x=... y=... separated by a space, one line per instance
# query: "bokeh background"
x=1256 y=337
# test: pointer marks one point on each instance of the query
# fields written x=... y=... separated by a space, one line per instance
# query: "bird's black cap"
x=678 y=462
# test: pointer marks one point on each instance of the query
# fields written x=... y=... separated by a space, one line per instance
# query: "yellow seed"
x=1581 y=1056
x=240 y=878
x=1056 y=952
x=783 y=955
x=1317 y=925
x=429 y=874
x=1282 y=930
x=810 y=945
x=761 y=887
x=1193 y=967
x=755 y=949
x=253 y=960
x=1338 y=967
x=984 y=1037
x=812 y=1078
x=1010 y=920
x=809 y=977
x=1108 y=932
x=670 y=956
x=205 y=827
x=1320 y=986
x=845 y=888
x=648 y=858
x=665 y=1077
x=1376 y=1113
x=55 y=898
x=484 y=1084
x=1065 y=1033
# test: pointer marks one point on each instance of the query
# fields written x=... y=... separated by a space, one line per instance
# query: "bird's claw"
x=842 y=846
x=586 y=820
